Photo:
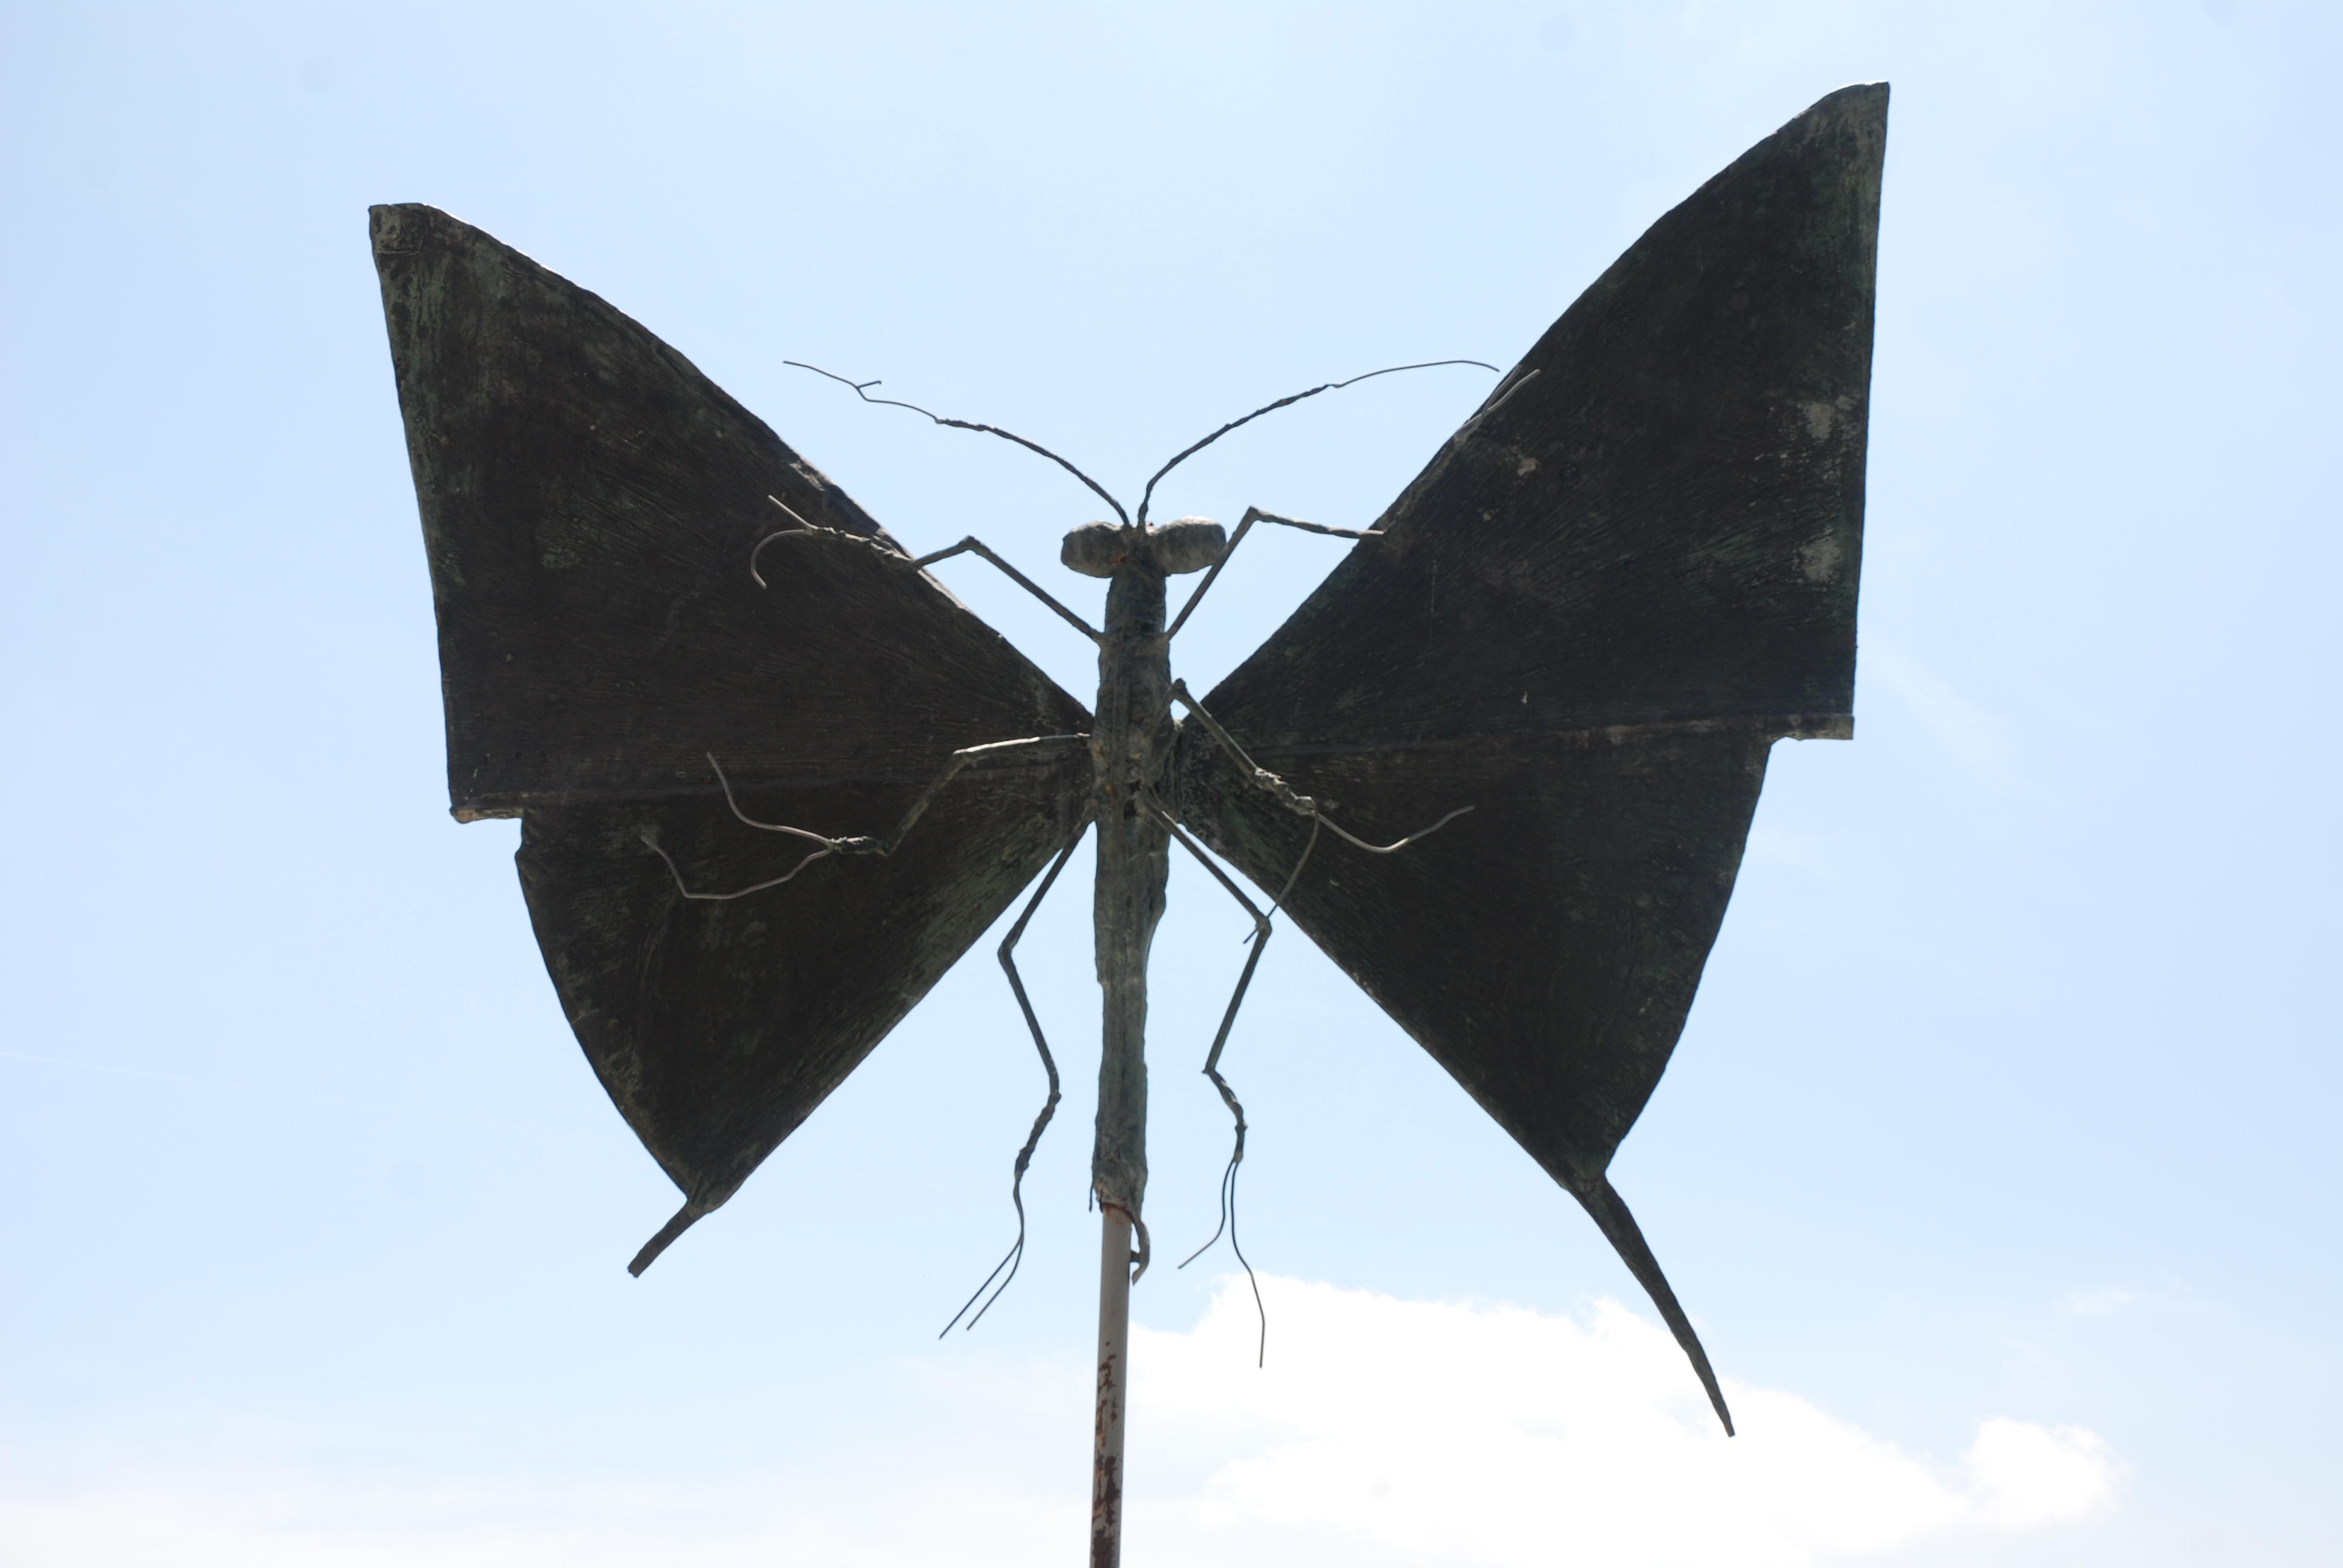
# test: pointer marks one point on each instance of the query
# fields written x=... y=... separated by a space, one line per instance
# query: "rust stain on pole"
x=1113 y=1373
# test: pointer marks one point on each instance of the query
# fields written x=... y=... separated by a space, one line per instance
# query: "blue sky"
x=1995 y=1164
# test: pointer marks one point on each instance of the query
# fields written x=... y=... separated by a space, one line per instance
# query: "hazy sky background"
x=1997 y=1164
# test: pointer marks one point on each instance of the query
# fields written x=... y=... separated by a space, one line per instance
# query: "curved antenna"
x=1273 y=408
x=988 y=429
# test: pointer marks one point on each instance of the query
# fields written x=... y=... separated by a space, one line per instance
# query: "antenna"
x=859 y=391
x=1284 y=402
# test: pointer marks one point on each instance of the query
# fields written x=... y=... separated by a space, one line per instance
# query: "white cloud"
x=1382 y=1431
x=1463 y=1434
x=2023 y=1475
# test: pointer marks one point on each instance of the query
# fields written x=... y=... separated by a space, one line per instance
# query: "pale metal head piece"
x=1181 y=546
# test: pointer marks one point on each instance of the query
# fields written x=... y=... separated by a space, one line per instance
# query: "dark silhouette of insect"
x=706 y=680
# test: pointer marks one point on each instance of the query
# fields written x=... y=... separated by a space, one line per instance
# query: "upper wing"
x=590 y=501
x=590 y=505
x=1588 y=617
x=1657 y=516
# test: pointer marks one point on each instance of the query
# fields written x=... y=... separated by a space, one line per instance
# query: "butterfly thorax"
x=1131 y=734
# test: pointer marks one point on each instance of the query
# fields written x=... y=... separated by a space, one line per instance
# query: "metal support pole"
x=1113 y=1375
x=1130 y=749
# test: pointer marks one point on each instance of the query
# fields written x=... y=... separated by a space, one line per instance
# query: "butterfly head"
x=1181 y=545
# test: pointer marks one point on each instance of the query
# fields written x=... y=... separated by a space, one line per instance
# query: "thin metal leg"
x=1300 y=805
x=1253 y=515
x=1016 y=1255
x=978 y=547
x=850 y=845
x=805 y=530
x=1236 y=1155
x=960 y=760
x=1261 y=934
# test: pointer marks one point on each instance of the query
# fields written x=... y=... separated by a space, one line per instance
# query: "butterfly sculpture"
x=773 y=779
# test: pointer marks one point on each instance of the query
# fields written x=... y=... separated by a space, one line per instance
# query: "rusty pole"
x=1113 y=1369
x=1130 y=739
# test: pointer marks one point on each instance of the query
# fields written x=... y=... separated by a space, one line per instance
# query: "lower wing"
x=1544 y=949
x=718 y=1025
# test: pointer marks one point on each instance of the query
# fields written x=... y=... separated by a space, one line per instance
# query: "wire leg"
x=860 y=845
x=973 y=543
x=1236 y=1155
x=960 y=760
x=1261 y=934
x=1229 y=1186
x=1253 y=515
x=1278 y=902
x=1228 y=1095
x=1301 y=805
x=1016 y=1254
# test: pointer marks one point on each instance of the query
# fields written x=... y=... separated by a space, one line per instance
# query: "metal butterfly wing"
x=1589 y=617
x=590 y=503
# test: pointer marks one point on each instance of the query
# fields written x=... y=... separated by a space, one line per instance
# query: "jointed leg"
x=1050 y=1108
x=978 y=547
x=1244 y=526
x=850 y=845
x=1261 y=931
x=960 y=760
x=810 y=531
x=1300 y=805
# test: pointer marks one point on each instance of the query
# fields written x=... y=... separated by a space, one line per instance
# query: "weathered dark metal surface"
x=1130 y=747
x=717 y=1027
x=1587 y=619
x=1545 y=947
x=590 y=504
x=590 y=501
x=1662 y=524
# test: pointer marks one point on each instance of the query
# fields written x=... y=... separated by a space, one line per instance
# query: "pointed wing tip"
x=1608 y=1211
x=1858 y=110
x=675 y=1226
x=409 y=228
x=1857 y=100
x=386 y=222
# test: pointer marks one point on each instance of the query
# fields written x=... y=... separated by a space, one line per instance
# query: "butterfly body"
x=1131 y=752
